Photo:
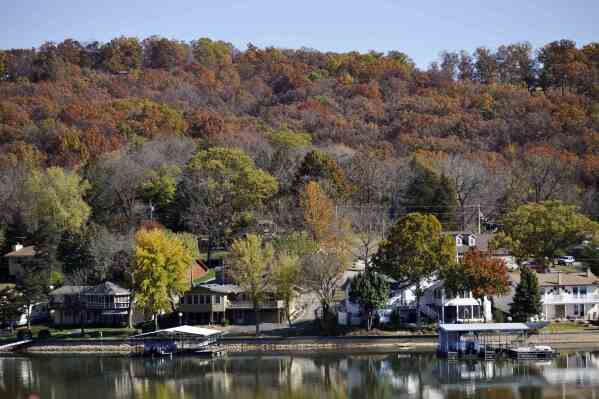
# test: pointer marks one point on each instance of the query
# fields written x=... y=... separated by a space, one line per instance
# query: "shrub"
x=44 y=334
x=24 y=334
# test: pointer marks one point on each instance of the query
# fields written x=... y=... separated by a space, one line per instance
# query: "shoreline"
x=294 y=344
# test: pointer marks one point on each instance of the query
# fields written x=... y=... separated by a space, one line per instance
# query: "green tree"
x=160 y=52
x=212 y=53
x=32 y=285
x=286 y=277
x=122 y=54
x=161 y=265
x=527 y=298
x=54 y=201
x=319 y=166
x=429 y=192
x=251 y=268
x=415 y=251
x=220 y=189
x=543 y=231
x=371 y=290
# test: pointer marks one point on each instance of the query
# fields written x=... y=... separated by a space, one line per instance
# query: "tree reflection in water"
x=299 y=376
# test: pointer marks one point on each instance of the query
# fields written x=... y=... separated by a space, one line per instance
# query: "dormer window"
x=471 y=241
x=458 y=241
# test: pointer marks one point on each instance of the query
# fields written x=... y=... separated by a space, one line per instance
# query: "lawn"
x=75 y=332
x=566 y=326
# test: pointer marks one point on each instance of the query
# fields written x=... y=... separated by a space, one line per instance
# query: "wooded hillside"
x=137 y=127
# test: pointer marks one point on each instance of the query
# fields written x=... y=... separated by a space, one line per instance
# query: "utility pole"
x=479 y=217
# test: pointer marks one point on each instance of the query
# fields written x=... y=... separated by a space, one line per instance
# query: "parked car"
x=566 y=260
x=534 y=266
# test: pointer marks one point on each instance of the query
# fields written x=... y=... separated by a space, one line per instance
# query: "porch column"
x=457 y=312
x=472 y=311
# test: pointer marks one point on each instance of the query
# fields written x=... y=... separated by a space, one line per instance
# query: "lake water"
x=301 y=376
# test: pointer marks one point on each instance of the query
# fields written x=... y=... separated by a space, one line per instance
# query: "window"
x=195 y=299
x=458 y=241
x=579 y=309
x=582 y=291
x=217 y=299
x=471 y=241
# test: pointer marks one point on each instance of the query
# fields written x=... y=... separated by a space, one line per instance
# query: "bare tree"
x=322 y=274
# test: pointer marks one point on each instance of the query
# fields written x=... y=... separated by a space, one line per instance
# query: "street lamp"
x=180 y=318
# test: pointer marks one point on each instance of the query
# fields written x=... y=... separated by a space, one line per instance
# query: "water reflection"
x=392 y=375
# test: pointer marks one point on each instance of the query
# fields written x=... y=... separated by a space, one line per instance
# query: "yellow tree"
x=251 y=268
x=319 y=212
x=160 y=270
x=286 y=276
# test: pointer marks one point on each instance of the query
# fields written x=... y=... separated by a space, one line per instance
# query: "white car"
x=566 y=260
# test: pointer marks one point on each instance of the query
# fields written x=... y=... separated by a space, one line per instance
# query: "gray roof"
x=475 y=327
x=70 y=290
x=28 y=251
x=107 y=288
x=221 y=288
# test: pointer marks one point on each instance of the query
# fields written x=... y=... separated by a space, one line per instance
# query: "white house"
x=564 y=296
x=467 y=240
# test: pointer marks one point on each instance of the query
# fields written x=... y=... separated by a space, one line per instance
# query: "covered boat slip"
x=177 y=339
x=488 y=340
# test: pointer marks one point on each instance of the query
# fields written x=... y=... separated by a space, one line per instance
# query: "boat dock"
x=488 y=341
x=182 y=339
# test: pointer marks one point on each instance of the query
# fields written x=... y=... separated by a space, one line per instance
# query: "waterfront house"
x=465 y=240
x=106 y=304
x=564 y=295
x=215 y=303
x=17 y=258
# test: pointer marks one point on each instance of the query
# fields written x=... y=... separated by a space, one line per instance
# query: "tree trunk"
x=130 y=312
x=482 y=309
x=257 y=316
x=418 y=310
x=369 y=320
x=28 y=316
x=288 y=312
x=81 y=313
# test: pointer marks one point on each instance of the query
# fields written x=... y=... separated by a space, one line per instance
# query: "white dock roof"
x=476 y=327
x=181 y=330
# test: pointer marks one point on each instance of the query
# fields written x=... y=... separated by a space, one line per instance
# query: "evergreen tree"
x=371 y=291
x=527 y=299
x=429 y=192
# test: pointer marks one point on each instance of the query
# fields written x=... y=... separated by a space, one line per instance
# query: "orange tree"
x=479 y=273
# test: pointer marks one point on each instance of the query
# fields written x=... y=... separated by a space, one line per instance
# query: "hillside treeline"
x=134 y=128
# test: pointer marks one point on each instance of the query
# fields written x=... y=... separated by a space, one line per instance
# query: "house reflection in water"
x=320 y=375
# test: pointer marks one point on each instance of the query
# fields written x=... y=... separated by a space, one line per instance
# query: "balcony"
x=566 y=299
x=250 y=305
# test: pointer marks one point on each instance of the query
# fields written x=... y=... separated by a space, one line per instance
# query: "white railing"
x=569 y=299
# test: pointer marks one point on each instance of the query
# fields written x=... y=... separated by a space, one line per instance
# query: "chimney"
x=17 y=247
x=589 y=274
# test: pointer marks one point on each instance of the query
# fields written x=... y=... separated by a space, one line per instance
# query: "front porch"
x=570 y=311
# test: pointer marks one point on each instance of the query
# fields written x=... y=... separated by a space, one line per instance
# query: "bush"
x=226 y=322
x=24 y=334
x=44 y=334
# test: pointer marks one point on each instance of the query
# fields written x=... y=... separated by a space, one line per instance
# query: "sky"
x=420 y=28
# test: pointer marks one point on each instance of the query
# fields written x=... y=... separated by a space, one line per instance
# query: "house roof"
x=476 y=327
x=221 y=288
x=551 y=279
x=107 y=288
x=27 y=251
x=70 y=290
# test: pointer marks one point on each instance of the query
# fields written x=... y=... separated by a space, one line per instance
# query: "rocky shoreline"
x=296 y=344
